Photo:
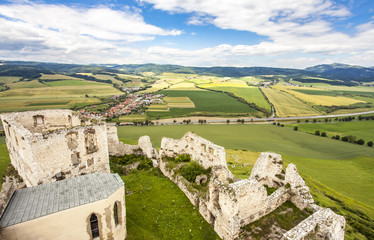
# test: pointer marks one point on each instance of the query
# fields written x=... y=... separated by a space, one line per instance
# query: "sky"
x=242 y=33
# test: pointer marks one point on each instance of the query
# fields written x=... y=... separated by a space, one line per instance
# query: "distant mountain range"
x=336 y=71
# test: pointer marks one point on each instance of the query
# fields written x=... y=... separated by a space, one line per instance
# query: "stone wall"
x=230 y=206
x=57 y=145
x=206 y=153
x=323 y=224
x=117 y=148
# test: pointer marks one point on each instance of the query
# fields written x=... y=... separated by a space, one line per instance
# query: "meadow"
x=157 y=209
x=286 y=105
x=206 y=103
x=55 y=94
x=250 y=94
x=360 y=129
x=311 y=152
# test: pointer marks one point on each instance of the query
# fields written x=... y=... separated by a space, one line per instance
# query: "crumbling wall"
x=231 y=206
x=268 y=170
x=54 y=151
x=45 y=120
x=117 y=148
x=206 y=153
x=323 y=224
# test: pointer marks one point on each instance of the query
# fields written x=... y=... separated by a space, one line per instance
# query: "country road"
x=218 y=120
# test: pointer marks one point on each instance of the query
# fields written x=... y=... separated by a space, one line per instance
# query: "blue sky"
x=274 y=33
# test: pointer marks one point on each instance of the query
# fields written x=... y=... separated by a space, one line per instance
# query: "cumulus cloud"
x=32 y=27
x=297 y=33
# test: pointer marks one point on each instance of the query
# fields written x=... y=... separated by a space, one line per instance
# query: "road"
x=217 y=120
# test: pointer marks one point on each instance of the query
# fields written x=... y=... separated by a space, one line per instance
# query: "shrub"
x=345 y=139
x=337 y=137
x=317 y=133
x=360 y=141
x=370 y=144
x=191 y=170
x=183 y=158
x=145 y=165
x=324 y=134
x=296 y=128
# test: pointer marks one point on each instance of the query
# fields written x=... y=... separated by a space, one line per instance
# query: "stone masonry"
x=230 y=204
x=50 y=145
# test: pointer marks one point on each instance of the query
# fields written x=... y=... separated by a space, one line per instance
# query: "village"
x=122 y=105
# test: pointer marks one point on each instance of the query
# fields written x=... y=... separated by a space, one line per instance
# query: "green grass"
x=71 y=83
x=158 y=209
x=285 y=216
x=22 y=99
x=360 y=129
x=310 y=153
x=250 y=94
x=206 y=103
x=4 y=158
x=255 y=138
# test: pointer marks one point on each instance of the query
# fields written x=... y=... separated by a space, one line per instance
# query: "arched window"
x=94 y=226
x=115 y=213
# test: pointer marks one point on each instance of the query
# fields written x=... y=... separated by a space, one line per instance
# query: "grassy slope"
x=4 y=158
x=360 y=129
x=311 y=153
x=287 y=105
x=157 y=209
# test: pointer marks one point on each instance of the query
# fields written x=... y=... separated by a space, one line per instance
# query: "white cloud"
x=33 y=28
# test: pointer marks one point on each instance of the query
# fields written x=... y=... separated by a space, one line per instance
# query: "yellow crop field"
x=185 y=86
x=319 y=99
x=158 y=85
x=179 y=102
x=286 y=105
x=158 y=108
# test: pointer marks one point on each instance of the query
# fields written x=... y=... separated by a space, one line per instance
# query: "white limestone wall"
x=268 y=169
x=55 y=153
x=44 y=120
x=324 y=224
x=39 y=155
x=205 y=152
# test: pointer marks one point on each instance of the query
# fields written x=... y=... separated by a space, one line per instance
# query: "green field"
x=4 y=158
x=250 y=94
x=361 y=129
x=71 y=83
x=311 y=152
x=158 y=209
x=62 y=94
x=287 y=105
x=206 y=103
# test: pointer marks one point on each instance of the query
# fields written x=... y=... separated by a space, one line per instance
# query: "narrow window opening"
x=94 y=226
x=115 y=213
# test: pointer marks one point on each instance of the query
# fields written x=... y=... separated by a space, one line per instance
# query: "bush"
x=183 y=158
x=317 y=133
x=296 y=128
x=191 y=170
x=345 y=139
x=360 y=141
x=370 y=144
x=324 y=134
x=145 y=165
x=337 y=137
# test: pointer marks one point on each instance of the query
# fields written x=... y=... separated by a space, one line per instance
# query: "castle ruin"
x=50 y=145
